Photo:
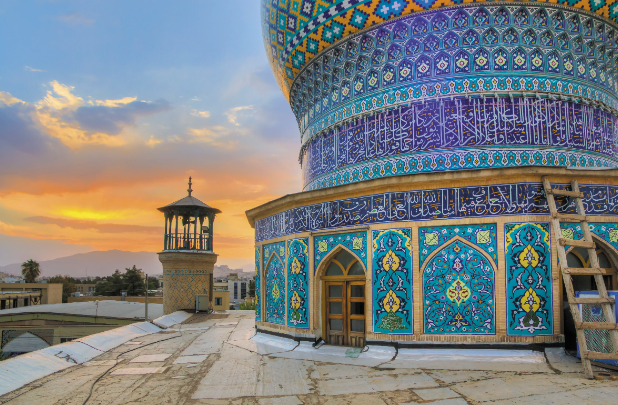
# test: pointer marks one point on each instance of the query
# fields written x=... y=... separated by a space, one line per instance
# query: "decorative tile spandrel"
x=354 y=241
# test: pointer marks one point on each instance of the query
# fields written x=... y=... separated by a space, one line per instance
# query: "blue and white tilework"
x=392 y=281
x=298 y=283
x=356 y=242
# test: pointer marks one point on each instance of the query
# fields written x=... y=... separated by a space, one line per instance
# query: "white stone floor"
x=220 y=360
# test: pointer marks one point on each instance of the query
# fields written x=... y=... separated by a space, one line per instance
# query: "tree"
x=251 y=292
x=68 y=286
x=30 y=270
x=134 y=282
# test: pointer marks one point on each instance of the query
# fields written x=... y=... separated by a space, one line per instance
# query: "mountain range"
x=103 y=263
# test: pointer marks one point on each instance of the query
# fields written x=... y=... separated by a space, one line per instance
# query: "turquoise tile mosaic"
x=392 y=281
x=528 y=279
x=298 y=283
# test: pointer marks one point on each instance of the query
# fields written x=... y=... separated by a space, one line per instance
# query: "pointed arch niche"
x=274 y=289
x=459 y=290
x=341 y=278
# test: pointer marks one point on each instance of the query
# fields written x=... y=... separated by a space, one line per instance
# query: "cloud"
x=103 y=228
x=195 y=99
x=112 y=119
x=31 y=69
x=20 y=129
x=203 y=114
x=75 y=18
x=115 y=103
x=232 y=115
x=214 y=136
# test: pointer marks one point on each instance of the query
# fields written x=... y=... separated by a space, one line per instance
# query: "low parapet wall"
x=26 y=368
x=151 y=300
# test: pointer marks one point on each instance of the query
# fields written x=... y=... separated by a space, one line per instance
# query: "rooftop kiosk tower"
x=188 y=258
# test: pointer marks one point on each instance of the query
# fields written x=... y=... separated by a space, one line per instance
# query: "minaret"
x=188 y=258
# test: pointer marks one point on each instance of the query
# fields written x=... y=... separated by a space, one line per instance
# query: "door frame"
x=322 y=293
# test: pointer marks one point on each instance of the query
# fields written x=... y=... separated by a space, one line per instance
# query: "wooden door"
x=335 y=313
x=355 y=311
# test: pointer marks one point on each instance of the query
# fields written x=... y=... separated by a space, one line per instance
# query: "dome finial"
x=189 y=189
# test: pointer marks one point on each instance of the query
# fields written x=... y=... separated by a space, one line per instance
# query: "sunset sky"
x=107 y=107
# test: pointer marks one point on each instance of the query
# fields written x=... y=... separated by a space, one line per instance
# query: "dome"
x=389 y=87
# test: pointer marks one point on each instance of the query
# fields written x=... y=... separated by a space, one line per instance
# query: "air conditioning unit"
x=202 y=304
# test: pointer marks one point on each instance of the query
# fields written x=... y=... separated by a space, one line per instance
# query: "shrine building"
x=424 y=131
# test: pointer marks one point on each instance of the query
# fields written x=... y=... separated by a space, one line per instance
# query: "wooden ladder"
x=604 y=300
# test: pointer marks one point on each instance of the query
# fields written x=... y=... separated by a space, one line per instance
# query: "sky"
x=107 y=107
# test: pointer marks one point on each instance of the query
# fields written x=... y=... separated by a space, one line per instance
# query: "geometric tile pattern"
x=356 y=242
x=528 y=279
x=258 y=307
x=392 y=281
x=432 y=137
x=469 y=50
x=295 y=31
x=182 y=285
x=432 y=204
x=275 y=288
x=298 y=283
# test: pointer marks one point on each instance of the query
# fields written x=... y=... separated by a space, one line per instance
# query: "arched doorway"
x=344 y=300
x=579 y=258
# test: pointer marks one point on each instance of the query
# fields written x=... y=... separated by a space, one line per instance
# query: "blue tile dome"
x=382 y=89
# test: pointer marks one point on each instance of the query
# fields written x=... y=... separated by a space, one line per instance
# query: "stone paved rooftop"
x=216 y=359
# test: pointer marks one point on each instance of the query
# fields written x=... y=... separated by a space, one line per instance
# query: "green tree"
x=251 y=292
x=68 y=286
x=110 y=286
x=134 y=282
x=30 y=270
x=247 y=306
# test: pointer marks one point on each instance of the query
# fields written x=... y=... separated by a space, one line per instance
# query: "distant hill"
x=104 y=263
x=98 y=263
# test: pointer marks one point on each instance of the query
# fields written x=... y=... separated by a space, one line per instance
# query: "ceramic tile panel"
x=529 y=295
x=392 y=281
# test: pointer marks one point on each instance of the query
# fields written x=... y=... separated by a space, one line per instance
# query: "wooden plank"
x=570 y=217
x=578 y=243
x=600 y=356
x=567 y=193
x=594 y=300
x=596 y=325
x=574 y=271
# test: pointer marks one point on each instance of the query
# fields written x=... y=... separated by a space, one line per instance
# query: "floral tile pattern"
x=528 y=279
x=354 y=241
x=392 y=281
x=298 y=283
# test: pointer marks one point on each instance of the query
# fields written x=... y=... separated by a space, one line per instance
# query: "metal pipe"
x=146 y=300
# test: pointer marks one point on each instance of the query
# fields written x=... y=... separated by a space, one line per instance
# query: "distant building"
x=11 y=280
x=47 y=325
x=15 y=295
x=85 y=288
x=238 y=288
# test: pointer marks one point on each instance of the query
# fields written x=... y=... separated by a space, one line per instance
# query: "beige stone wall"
x=185 y=275
x=225 y=300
